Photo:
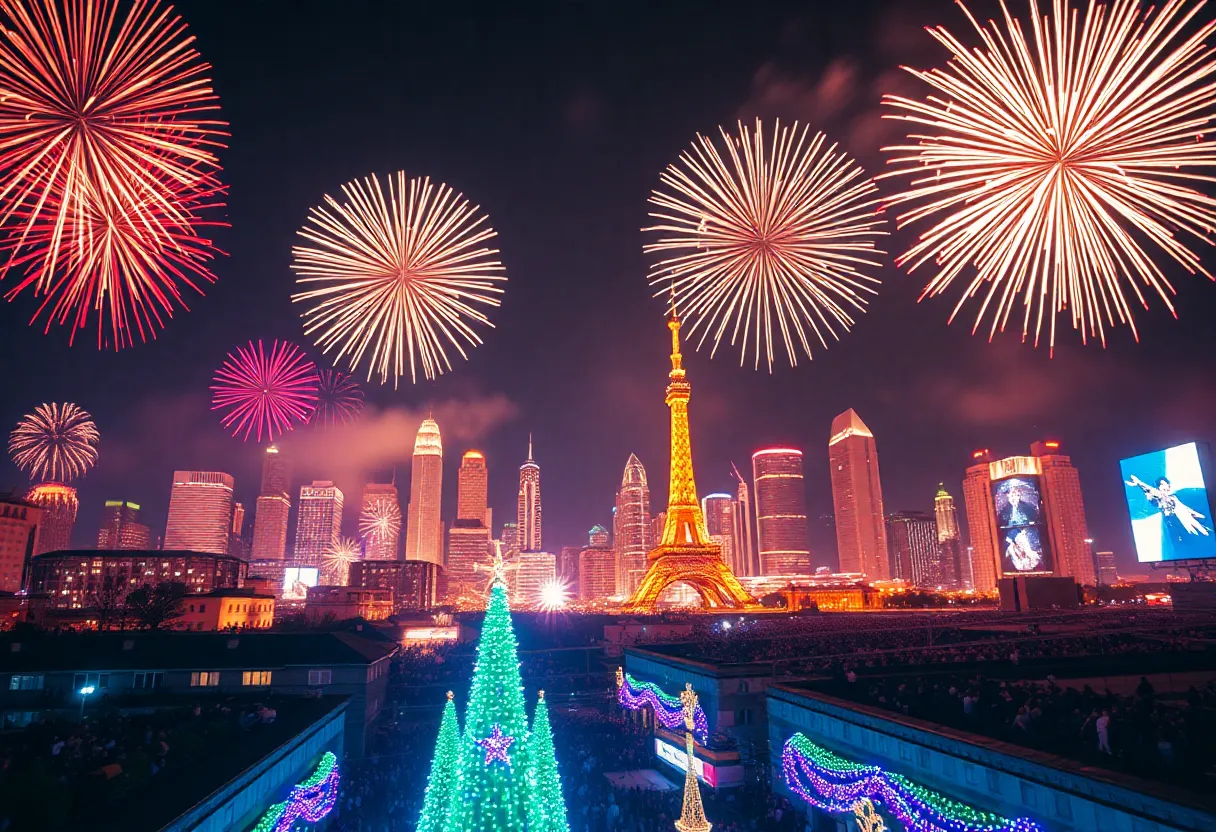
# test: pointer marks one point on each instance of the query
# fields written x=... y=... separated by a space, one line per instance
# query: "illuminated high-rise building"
x=200 y=511
x=945 y=513
x=632 y=527
x=1027 y=517
x=423 y=527
x=914 y=548
x=472 y=489
x=510 y=539
x=781 y=532
x=273 y=508
x=19 y=524
x=598 y=537
x=567 y=568
x=380 y=521
x=981 y=521
x=956 y=570
x=318 y=522
x=468 y=549
x=719 y=511
x=534 y=571
x=745 y=543
x=597 y=567
x=59 y=505
x=121 y=529
x=529 y=516
x=238 y=520
x=1108 y=571
x=861 y=535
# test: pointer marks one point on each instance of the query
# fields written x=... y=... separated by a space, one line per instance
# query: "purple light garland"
x=834 y=784
x=310 y=801
x=668 y=710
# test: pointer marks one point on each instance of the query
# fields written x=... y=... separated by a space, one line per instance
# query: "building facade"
x=951 y=537
x=73 y=579
x=981 y=522
x=861 y=542
x=1065 y=509
x=632 y=528
x=745 y=542
x=1108 y=572
x=226 y=609
x=273 y=508
x=120 y=527
x=19 y=524
x=510 y=539
x=468 y=553
x=915 y=549
x=318 y=522
x=200 y=509
x=380 y=522
x=596 y=574
x=719 y=511
x=423 y=526
x=473 y=489
x=535 y=571
x=781 y=530
x=528 y=509
x=415 y=584
x=59 y=505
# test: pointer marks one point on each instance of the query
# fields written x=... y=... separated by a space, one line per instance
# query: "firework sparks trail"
x=1046 y=163
x=265 y=392
x=768 y=240
x=57 y=442
x=396 y=277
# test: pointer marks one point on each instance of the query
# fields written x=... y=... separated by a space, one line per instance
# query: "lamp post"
x=84 y=694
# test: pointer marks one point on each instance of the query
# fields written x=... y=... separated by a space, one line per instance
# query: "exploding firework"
x=380 y=522
x=335 y=563
x=766 y=240
x=397 y=278
x=265 y=392
x=339 y=399
x=107 y=161
x=1047 y=162
x=57 y=442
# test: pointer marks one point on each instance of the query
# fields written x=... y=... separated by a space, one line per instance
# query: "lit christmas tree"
x=548 y=785
x=495 y=786
x=439 y=787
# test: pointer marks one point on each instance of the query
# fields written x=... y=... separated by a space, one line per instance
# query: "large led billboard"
x=297 y=580
x=1021 y=525
x=1167 y=498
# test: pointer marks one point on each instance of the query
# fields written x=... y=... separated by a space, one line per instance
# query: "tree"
x=156 y=606
x=493 y=782
x=107 y=602
x=439 y=786
x=547 y=785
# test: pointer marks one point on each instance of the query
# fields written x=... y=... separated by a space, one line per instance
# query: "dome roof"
x=635 y=473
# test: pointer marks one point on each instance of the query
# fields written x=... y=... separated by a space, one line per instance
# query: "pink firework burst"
x=265 y=392
x=339 y=399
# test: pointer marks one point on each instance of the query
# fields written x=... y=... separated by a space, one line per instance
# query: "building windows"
x=99 y=681
x=205 y=679
x=320 y=677
x=147 y=681
x=27 y=682
x=255 y=677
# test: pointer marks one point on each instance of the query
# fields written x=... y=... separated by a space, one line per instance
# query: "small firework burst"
x=265 y=392
x=55 y=443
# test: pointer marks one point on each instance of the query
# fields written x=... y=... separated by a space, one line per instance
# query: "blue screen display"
x=1167 y=498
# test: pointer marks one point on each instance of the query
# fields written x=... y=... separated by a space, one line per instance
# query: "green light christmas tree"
x=547 y=784
x=496 y=783
x=439 y=786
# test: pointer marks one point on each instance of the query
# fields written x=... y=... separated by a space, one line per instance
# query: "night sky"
x=558 y=123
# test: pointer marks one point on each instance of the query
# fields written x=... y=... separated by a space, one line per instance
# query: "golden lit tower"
x=423 y=527
x=684 y=553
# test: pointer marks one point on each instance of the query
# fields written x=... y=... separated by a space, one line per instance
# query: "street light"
x=84 y=694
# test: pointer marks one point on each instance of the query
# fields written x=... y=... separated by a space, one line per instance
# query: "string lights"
x=834 y=784
x=635 y=695
x=309 y=802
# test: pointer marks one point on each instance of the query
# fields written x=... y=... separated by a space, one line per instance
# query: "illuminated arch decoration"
x=308 y=802
x=635 y=695
x=834 y=784
x=685 y=554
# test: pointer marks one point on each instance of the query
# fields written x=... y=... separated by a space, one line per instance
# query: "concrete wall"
x=985 y=774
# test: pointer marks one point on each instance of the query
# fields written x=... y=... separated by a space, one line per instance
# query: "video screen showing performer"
x=1167 y=499
x=1018 y=502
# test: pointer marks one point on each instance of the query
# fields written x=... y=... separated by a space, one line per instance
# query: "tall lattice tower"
x=684 y=553
x=692 y=816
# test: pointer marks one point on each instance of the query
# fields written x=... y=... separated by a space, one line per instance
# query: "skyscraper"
x=981 y=522
x=510 y=539
x=567 y=568
x=472 y=489
x=380 y=521
x=19 y=522
x=597 y=567
x=719 y=511
x=749 y=561
x=914 y=548
x=121 y=529
x=59 y=505
x=468 y=548
x=529 y=516
x=1027 y=517
x=632 y=529
x=957 y=566
x=273 y=508
x=534 y=571
x=1108 y=572
x=423 y=527
x=318 y=522
x=1065 y=510
x=861 y=536
x=200 y=510
x=781 y=533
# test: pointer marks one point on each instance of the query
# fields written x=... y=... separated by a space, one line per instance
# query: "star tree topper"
x=496 y=745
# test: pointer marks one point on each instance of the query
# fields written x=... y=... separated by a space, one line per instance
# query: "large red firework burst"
x=107 y=162
x=339 y=399
x=265 y=392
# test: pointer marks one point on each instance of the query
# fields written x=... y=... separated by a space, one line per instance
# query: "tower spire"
x=530 y=447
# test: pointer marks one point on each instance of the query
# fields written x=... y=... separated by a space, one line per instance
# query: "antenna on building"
x=735 y=471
